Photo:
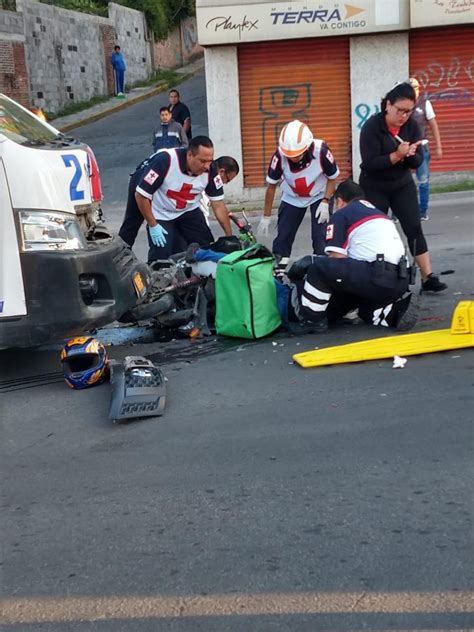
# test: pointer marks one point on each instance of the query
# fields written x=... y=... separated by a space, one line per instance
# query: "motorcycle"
x=182 y=295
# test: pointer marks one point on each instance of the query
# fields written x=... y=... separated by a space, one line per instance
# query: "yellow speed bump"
x=459 y=336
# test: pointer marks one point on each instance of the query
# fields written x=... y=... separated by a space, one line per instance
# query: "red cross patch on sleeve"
x=218 y=182
x=274 y=163
x=329 y=231
x=150 y=177
x=329 y=156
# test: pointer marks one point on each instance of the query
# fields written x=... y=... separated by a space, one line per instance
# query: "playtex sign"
x=237 y=24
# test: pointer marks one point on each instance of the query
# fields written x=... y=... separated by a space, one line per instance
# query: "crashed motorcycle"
x=182 y=293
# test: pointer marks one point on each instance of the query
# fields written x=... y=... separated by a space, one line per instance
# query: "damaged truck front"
x=61 y=272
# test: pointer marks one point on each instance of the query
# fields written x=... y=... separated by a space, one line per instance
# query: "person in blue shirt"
x=170 y=133
x=118 y=64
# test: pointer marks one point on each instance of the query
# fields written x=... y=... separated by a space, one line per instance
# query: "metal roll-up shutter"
x=443 y=62
x=308 y=79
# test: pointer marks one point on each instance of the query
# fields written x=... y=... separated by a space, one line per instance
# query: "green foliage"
x=165 y=76
x=96 y=7
x=451 y=187
x=161 y=15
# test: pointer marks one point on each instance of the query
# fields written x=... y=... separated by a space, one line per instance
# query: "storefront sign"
x=234 y=24
x=441 y=12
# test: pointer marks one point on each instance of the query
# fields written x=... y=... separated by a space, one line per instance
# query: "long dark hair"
x=398 y=92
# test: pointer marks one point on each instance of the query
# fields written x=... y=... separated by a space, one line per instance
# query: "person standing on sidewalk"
x=180 y=112
x=390 y=147
x=306 y=171
x=426 y=118
x=118 y=64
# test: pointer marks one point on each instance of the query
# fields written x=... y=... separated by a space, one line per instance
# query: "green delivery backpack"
x=246 y=301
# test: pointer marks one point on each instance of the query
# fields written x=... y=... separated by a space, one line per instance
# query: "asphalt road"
x=267 y=497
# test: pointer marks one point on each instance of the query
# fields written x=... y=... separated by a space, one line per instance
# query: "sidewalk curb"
x=90 y=118
x=83 y=118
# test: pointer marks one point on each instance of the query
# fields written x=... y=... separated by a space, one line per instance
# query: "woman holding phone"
x=390 y=147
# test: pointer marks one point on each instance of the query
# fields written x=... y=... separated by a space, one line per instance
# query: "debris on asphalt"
x=398 y=362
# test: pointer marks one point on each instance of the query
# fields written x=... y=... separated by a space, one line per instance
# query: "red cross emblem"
x=301 y=187
x=183 y=196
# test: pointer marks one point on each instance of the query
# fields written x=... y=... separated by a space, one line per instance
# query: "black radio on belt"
x=379 y=265
x=403 y=268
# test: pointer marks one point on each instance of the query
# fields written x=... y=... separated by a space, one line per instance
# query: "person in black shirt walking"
x=390 y=147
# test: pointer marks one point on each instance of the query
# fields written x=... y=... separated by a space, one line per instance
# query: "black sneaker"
x=303 y=327
x=405 y=312
x=433 y=284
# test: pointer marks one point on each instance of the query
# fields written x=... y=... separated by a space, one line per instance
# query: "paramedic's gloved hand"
x=265 y=223
x=322 y=213
x=157 y=235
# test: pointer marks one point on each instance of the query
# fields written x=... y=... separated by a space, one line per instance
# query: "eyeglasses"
x=402 y=111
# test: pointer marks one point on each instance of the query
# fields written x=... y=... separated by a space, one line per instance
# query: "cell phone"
x=425 y=141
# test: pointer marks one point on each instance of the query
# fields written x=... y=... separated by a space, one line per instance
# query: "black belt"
x=385 y=265
x=382 y=267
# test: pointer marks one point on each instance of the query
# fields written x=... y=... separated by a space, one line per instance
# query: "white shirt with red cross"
x=304 y=182
x=171 y=189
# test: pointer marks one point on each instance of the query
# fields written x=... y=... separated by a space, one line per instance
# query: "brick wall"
x=108 y=43
x=13 y=70
x=179 y=47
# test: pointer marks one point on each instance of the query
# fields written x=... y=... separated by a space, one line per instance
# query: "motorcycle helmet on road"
x=295 y=138
x=85 y=362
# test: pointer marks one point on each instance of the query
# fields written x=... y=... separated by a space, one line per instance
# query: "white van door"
x=12 y=291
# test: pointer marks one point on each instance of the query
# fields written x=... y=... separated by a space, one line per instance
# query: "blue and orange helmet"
x=85 y=362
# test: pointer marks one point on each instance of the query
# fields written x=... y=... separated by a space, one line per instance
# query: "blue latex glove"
x=157 y=235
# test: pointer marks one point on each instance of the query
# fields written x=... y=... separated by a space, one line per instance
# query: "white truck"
x=61 y=272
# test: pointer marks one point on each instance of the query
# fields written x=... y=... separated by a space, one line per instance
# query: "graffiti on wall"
x=363 y=111
x=442 y=81
x=189 y=35
x=280 y=104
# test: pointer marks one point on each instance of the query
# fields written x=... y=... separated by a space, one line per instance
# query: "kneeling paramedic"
x=366 y=268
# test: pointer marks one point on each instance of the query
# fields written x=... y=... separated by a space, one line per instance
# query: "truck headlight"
x=50 y=230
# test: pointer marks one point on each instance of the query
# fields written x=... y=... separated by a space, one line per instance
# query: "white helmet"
x=295 y=138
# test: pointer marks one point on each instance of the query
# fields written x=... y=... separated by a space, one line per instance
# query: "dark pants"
x=191 y=226
x=404 y=204
x=289 y=220
x=133 y=219
x=119 y=81
x=333 y=287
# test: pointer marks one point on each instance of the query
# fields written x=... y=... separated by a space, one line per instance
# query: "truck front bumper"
x=69 y=293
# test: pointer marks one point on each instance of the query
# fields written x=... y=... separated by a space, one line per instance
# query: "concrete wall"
x=64 y=55
x=222 y=85
x=135 y=41
x=377 y=63
x=68 y=53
